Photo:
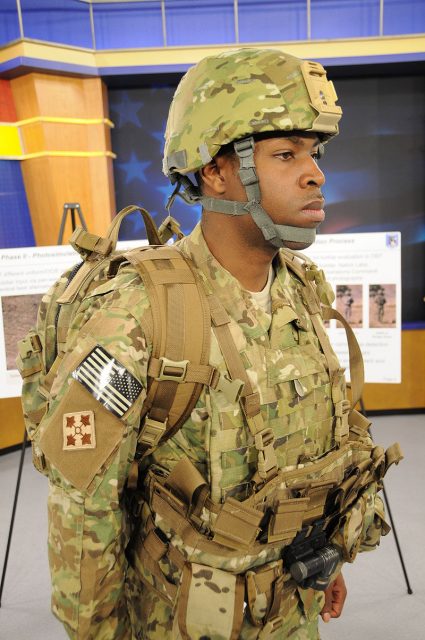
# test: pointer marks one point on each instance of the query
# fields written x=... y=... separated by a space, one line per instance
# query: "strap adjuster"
x=266 y=461
x=172 y=370
x=264 y=439
x=152 y=431
x=231 y=389
x=271 y=626
x=245 y=151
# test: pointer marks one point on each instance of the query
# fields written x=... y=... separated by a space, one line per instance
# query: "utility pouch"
x=379 y=527
x=30 y=365
x=210 y=603
x=357 y=522
x=264 y=590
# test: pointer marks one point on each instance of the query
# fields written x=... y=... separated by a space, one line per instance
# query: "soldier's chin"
x=297 y=246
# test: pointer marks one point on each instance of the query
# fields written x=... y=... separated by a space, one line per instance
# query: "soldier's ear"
x=212 y=179
x=215 y=175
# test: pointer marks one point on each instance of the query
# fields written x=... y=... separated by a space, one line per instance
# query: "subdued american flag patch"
x=108 y=381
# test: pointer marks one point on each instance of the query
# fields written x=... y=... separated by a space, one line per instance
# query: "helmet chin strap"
x=277 y=234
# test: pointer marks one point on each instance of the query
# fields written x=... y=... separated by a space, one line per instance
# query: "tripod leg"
x=390 y=517
x=12 y=520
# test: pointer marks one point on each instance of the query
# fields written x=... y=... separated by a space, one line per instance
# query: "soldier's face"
x=290 y=181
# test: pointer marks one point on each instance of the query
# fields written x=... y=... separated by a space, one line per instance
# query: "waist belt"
x=293 y=500
x=262 y=587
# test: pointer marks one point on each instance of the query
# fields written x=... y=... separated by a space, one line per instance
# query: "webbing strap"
x=355 y=355
x=314 y=309
x=185 y=371
x=250 y=401
x=83 y=274
x=151 y=230
x=86 y=243
x=180 y=341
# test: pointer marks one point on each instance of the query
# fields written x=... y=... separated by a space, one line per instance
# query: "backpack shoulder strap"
x=181 y=322
x=319 y=297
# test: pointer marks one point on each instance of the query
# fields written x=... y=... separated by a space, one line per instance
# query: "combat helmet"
x=231 y=97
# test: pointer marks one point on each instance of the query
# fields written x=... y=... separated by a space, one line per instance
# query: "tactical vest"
x=287 y=454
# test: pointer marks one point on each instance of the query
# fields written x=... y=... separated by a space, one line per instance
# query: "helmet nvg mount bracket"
x=231 y=97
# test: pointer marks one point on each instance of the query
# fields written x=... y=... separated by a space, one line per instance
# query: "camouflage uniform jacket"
x=95 y=592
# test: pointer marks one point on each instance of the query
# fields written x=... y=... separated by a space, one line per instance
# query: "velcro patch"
x=108 y=381
x=78 y=431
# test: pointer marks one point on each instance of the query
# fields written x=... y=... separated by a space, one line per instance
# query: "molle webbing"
x=249 y=400
x=295 y=498
x=315 y=296
x=318 y=300
x=181 y=341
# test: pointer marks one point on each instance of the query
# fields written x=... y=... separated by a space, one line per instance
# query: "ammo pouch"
x=210 y=603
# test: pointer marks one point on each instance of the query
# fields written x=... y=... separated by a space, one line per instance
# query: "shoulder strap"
x=319 y=298
x=181 y=322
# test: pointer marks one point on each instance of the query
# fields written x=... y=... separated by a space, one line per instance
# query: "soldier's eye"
x=285 y=155
x=319 y=152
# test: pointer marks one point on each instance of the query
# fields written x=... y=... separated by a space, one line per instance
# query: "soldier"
x=202 y=554
x=380 y=302
x=348 y=303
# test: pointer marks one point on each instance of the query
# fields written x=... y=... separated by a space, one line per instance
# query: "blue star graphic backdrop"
x=374 y=168
x=140 y=116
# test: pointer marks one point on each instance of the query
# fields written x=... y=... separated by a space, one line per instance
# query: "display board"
x=25 y=275
x=364 y=270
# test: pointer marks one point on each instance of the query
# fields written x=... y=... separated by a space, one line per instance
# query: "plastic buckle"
x=35 y=343
x=264 y=439
x=244 y=147
x=267 y=461
x=271 y=626
x=232 y=389
x=245 y=152
x=172 y=370
x=152 y=431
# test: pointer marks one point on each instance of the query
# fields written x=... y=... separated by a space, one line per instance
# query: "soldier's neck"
x=237 y=247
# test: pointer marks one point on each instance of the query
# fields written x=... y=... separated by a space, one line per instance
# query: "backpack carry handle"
x=88 y=244
x=150 y=226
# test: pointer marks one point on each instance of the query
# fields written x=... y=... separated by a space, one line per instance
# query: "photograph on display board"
x=349 y=302
x=382 y=306
x=19 y=316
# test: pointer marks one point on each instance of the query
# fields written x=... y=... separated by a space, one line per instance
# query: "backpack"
x=178 y=366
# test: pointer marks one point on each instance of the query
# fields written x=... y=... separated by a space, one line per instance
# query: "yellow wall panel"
x=33 y=137
x=10 y=141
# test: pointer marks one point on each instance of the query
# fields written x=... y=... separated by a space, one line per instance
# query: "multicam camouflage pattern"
x=95 y=592
x=38 y=350
x=241 y=93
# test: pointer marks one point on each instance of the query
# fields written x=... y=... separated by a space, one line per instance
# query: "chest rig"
x=187 y=527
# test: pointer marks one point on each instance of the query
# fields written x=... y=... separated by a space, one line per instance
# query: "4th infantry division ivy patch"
x=78 y=431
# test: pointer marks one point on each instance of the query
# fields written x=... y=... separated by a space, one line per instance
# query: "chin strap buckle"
x=244 y=149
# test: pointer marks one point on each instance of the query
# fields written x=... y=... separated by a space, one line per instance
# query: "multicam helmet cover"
x=231 y=97
x=241 y=93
